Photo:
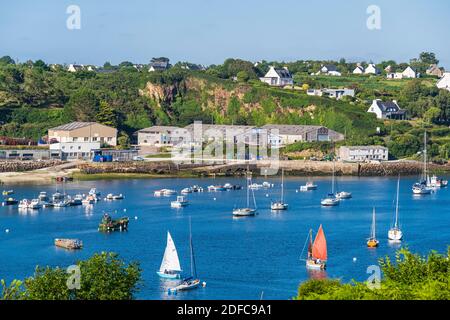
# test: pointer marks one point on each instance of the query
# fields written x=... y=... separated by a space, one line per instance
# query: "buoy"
x=204 y=284
x=214 y=199
x=296 y=191
x=354 y=259
x=267 y=195
x=124 y=210
x=7 y=230
x=135 y=217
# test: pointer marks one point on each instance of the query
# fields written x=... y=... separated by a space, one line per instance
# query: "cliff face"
x=160 y=93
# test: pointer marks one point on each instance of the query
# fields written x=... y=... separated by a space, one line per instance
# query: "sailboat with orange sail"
x=317 y=251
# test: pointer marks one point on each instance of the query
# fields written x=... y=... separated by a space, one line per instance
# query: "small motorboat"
x=186 y=190
x=111 y=196
x=62 y=203
x=180 y=202
x=7 y=192
x=436 y=182
x=70 y=244
x=255 y=186
x=266 y=185
x=228 y=186
x=24 y=203
x=216 y=188
x=344 y=195
x=186 y=284
x=308 y=186
x=57 y=196
x=94 y=192
x=10 y=202
x=77 y=200
x=159 y=193
x=43 y=196
x=169 y=192
x=88 y=200
x=196 y=188
x=34 y=204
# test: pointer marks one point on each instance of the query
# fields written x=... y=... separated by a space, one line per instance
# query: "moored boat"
x=344 y=195
x=7 y=192
x=317 y=251
x=10 y=202
x=180 y=202
x=70 y=244
x=170 y=266
x=43 y=196
x=423 y=186
x=331 y=200
x=216 y=188
x=308 y=186
x=246 y=211
x=280 y=205
x=108 y=224
x=395 y=233
x=372 y=242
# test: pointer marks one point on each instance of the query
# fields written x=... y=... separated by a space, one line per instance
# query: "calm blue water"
x=238 y=258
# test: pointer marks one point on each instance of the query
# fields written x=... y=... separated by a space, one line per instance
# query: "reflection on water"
x=317 y=274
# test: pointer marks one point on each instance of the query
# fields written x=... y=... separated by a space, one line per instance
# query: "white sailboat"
x=247 y=211
x=331 y=200
x=192 y=282
x=422 y=187
x=170 y=266
x=180 y=202
x=280 y=205
x=395 y=233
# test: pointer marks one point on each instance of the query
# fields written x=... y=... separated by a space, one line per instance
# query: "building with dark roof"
x=278 y=77
x=387 y=110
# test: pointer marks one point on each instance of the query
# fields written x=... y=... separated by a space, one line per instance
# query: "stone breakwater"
x=291 y=167
x=20 y=166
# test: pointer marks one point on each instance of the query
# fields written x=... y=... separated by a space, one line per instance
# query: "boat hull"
x=168 y=275
x=278 y=206
x=329 y=202
x=244 y=212
x=372 y=243
x=186 y=286
x=395 y=235
x=314 y=265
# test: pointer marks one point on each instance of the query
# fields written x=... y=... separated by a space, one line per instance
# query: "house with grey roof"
x=83 y=132
x=159 y=64
x=329 y=69
x=434 y=70
x=363 y=153
x=387 y=110
x=278 y=77
x=444 y=82
x=282 y=134
x=331 y=93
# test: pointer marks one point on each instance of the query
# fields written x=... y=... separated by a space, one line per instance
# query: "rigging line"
x=304 y=246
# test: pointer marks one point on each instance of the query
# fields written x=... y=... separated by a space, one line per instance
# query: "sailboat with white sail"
x=247 y=211
x=170 y=266
x=422 y=187
x=191 y=282
x=331 y=200
x=317 y=251
x=372 y=242
x=280 y=205
x=395 y=233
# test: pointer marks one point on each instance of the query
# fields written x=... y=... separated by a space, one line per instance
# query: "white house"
x=75 y=150
x=329 y=69
x=278 y=77
x=371 y=69
x=363 y=153
x=331 y=93
x=444 y=82
x=75 y=67
x=157 y=136
x=410 y=73
x=394 y=75
x=358 y=70
x=387 y=110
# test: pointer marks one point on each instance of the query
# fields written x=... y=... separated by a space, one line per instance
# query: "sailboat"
x=280 y=205
x=395 y=233
x=247 y=211
x=317 y=251
x=170 y=266
x=372 y=242
x=192 y=282
x=422 y=187
x=331 y=200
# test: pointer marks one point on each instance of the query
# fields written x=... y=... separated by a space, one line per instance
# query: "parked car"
x=138 y=158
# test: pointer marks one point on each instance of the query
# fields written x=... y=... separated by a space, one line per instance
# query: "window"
x=94 y=139
x=109 y=138
x=79 y=147
x=75 y=139
x=86 y=139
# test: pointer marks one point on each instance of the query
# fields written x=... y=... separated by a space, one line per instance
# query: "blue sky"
x=209 y=31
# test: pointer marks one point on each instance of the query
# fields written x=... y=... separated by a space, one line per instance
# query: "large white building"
x=75 y=150
x=278 y=77
x=363 y=153
x=83 y=132
x=157 y=136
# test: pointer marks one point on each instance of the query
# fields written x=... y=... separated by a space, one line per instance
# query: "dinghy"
x=170 y=266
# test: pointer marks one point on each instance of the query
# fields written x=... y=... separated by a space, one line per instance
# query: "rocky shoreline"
x=291 y=167
x=20 y=166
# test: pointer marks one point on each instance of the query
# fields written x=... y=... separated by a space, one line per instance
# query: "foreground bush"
x=102 y=277
x=411 y=277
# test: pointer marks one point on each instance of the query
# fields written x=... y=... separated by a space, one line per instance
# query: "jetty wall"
x=20 y=166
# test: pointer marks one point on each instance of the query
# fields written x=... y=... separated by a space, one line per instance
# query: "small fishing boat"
x=34 y=204
x=43 y=196
x=7 y=192
x=62 y=203
x=216 y=188
x=94 y=192
x=170 y=266
x=57 y=196
x=169 y=192
x=280 y=205
x=88 y=200
x=344 y=195
x=246 y=211
x=108 y=224
x=372 y=242
x=266 y=185
x=192 y=282
x=255 y=186
x=436 y=182
x=10 y=202
x=196 y=188
x=186 y=190
x=228 y=186
x=180 y=202
x=308 y=186
x=395 y=233
x=77 y=200
x=317 y=251
x=70 y=244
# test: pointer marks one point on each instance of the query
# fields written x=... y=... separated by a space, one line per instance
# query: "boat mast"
x=248 y=191
x=332 y=181
x=396 y=205
x=373 y=231
x=282 y=185
x=425 y=174
x=193 y=268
